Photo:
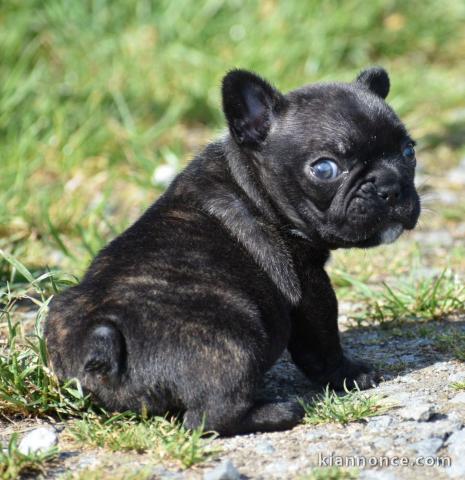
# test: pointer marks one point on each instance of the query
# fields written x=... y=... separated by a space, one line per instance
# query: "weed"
x=27 y=385
x=110 y=474
x=352 y=406
x=331 y=473
x=458 y=385
x=158 y=436
x=424 y=298
x=453 y=342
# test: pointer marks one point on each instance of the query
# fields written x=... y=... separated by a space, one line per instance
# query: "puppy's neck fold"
x=243 y=208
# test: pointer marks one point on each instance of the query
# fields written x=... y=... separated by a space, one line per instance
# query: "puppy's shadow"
x=395 y=350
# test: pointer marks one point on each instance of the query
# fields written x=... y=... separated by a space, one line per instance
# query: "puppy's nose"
x=389 y=192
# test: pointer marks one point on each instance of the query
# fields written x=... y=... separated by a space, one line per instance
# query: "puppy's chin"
x=385 y=236
x=391 y=233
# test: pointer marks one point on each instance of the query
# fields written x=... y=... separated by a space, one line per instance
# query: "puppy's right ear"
x=250 y=105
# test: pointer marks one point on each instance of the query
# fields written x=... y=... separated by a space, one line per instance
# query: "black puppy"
x=188 y=308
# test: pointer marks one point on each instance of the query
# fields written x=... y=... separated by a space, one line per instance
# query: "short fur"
x=187 y=309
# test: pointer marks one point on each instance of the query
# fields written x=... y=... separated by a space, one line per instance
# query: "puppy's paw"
x=351 y=373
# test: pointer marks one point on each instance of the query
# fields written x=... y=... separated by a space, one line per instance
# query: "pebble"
x=377 y=475
x=457 y=377
x=459 y=398
x=420 y=413
x=456 y=447
x=224 y=471
x=428 y=447
x=265 y=447
x=40 y=439
x=379 y=424
x=400 y=399
x=163 y=473
x=409 y=358
x=282 y=468
x=86 y=461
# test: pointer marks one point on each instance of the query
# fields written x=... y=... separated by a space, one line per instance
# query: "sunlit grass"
x=159 y=437
x=414 y=298
x=352 y=406
x=95 y=95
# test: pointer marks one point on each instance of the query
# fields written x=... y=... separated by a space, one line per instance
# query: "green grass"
x=101 y=473
x=331 y=473
x=27 y=385
x=14 y=464
x=157 y=436
x=458 y=385
x=353 y=406
x=96 y=94
x=428 y=298
x=452 y=342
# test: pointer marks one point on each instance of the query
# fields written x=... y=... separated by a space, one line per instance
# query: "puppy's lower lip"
x=391 y=233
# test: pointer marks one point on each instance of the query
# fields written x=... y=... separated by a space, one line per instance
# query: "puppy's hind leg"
x=232 y=419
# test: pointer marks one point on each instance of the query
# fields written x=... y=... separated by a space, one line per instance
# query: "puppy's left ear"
x=376 y=80
x=250 y=105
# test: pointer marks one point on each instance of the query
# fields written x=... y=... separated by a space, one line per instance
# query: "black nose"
x=389 y=193
x=388 y=187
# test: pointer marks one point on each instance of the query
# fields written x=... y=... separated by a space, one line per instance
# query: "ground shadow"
x=395 y=350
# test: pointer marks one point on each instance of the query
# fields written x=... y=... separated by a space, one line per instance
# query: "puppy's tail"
x=105 y=352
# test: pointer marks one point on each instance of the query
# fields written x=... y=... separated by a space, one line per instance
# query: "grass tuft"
x=353 y=406
x=452 y=342
x=28 y=387
x=458 y=385
x=423 y=298
x=331 y=473
x=105 y=474
x=160 y=437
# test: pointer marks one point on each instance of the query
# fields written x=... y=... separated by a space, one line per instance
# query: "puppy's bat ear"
x=376 y=80
x=249 y=104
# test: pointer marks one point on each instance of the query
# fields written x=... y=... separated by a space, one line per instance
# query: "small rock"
x=456 y=447
x=265 y=447
x=459 y=398
x=315 y=435
x=163 y=473
x=457 y=377
x=383 y=443
x=408 y=358
x=379 y=424
x=420 y=413
x=87 y=461
x=282 y=468
x=40 y=439
x=399 y=398
x=377 y=475
x=224 y=471
x=428 y=447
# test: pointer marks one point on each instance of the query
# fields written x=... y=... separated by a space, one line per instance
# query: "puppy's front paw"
x=351 y=372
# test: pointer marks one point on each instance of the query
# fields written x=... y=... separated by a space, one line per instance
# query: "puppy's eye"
x=409 y=152
x=325 y=169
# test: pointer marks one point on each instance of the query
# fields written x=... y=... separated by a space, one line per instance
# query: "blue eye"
x=409 y=152
x=325 y=169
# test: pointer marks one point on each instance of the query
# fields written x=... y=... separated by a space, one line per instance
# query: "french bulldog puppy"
x=187 y=309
